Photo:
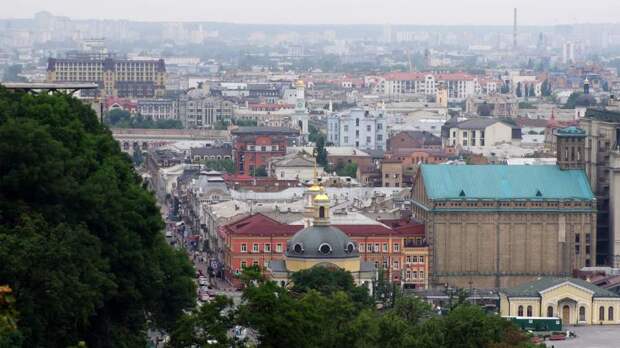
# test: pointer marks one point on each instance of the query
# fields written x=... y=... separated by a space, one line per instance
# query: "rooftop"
x=504 y=182
x=264 y=131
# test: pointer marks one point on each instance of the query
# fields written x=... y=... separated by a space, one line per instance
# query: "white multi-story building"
x=568 y=52
x=458 y=85
x=363 y=129
x=204 y=112
x=158 y=109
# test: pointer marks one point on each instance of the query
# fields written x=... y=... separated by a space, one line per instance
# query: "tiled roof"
x=534 y=288
x=504 y=182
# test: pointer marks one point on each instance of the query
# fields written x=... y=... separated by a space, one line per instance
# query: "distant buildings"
x=253 y=147
x=363 y=129
x=457 y=85
x=116 y=77
x=494 y=105
x=478 y=133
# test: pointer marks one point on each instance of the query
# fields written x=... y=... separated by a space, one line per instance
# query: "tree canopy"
x=123 y=119
x=320 y=311
x=80 y=237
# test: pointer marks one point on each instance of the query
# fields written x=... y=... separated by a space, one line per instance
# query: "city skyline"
x=346 y=12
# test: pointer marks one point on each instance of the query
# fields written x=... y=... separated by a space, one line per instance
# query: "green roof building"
x=497 y=226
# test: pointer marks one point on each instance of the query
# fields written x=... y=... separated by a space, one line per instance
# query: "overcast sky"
x=533 y=12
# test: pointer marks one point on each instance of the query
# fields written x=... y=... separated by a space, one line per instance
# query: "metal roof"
x=504 y=182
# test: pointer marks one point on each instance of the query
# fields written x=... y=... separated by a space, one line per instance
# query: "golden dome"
x=314 y=188
x=300 y=84
x=321 y=198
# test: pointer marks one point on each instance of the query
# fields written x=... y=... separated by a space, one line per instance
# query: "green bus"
x=537 y=323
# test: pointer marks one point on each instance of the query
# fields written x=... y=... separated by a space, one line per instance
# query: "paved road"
x=607 y=336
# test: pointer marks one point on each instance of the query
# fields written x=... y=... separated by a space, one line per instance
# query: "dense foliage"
x=321 y=310
x=123 y=119
x=80 y=238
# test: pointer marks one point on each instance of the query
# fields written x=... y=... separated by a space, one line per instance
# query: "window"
x=357 y=122
x=279 y=247
x=421 y=259
x=369 y=247
x=346 y=140
x=385 y=265
x=385 y=247
x=395 y=264
x=408 y=275
x=601 y=313
x=255 y=248
x=421 y=274
x=376 y=247
x=582 y=313
x=254 y=263
x=361 y=247
x=244 y=248
x=396 y=247
x=267 y=248
x=367 y=140
x=520 y=311
x=379 y=126
x=379 y=137
x=610 y=314
x=357 y=134
x=346 y=128
x=415 y=275
x=321 y=212
x=549 y=311
x=243 y=264
x=408 y=259
x=368 y=128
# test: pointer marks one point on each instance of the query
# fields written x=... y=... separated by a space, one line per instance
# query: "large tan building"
x=492 y=226
x=116 y=77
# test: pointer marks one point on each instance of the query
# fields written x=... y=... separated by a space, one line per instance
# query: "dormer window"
x=298 y=248
x=325 y=248
x=350 y=247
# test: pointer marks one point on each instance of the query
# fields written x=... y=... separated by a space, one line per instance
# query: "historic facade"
x=575 y=301
x=116 y=77
x=495 y=226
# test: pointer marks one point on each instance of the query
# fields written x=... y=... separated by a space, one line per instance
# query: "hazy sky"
x=532 y=12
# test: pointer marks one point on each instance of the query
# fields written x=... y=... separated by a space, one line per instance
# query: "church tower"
x=571 y=142
x=321 y=209
x=300 y=118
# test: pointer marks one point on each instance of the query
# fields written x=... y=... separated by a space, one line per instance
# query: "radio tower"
x=514 y=31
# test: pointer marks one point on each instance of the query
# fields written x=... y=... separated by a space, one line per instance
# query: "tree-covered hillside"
x=80 y=237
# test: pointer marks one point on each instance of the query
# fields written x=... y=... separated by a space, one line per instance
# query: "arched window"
x=601 y=313
x=550 y=311
x=321 y=212
x=520 y=311
x=529 y=311
x=610 y=314
x=582 y=313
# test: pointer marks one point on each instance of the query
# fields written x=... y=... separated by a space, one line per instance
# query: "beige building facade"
x=575 y=301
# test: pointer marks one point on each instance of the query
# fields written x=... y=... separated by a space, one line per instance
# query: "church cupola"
x=321 y=209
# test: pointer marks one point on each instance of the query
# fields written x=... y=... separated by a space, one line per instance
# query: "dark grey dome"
x=321 y=242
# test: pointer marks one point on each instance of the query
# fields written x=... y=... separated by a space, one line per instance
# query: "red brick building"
x=397 y=246
x=254 y=146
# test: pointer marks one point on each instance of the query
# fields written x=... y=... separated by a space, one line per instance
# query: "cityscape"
x=310 y=175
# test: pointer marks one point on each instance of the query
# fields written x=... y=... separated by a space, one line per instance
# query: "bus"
x=537 y=323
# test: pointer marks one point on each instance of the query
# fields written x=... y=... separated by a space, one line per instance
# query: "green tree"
x=260 y=171
x=328 y=281
x=223 y=165
x=320 y=152
x=579 y=99
x=412 y=309
x=207 y=326
x=80 y=238
x=349 y=169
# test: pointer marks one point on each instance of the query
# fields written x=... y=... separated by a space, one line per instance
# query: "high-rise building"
x=568 y=52
x=116 y=77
